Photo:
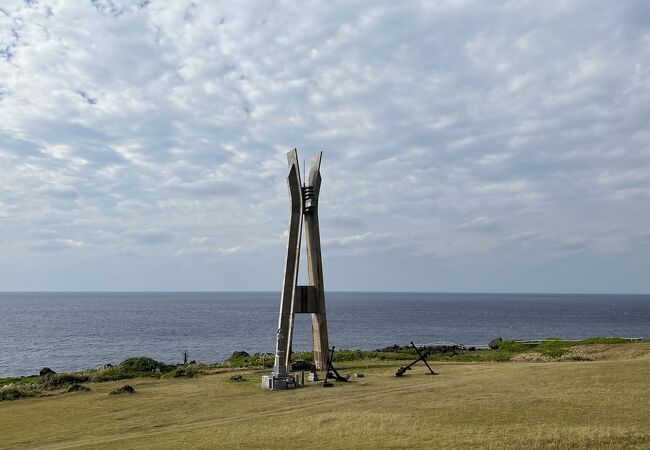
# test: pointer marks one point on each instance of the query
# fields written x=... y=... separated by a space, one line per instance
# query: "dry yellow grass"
x=614 y=352
x=531 y=357
x=599 y=404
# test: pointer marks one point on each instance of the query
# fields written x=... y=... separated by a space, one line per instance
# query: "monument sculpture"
x=295 y=299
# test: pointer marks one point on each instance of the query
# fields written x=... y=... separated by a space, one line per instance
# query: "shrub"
x=512 y=347
x=110 y=374
x=57 y=380
x=242 y=359
x=13 y=391
x=141 y=364
x=554 y=347
x=132 y=368
x=186 y=371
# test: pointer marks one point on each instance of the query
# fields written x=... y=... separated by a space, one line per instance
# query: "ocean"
x=77 y=330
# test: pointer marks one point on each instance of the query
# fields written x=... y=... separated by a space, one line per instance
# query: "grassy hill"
x=603 y=403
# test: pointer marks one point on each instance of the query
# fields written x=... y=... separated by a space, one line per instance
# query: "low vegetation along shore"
x=50 y=382
x=560 y=394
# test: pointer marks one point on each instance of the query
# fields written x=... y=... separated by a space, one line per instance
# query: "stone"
x=495 y=343
x=78 y=388
x=301 y=365
x=46 y=371
x=181 y=372
x=126 y=389
x=240 y=355
x=237 y=378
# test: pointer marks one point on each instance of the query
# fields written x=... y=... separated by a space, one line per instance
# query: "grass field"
x=597 y=404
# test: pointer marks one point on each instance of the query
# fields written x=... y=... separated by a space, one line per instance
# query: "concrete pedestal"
x=279 y=382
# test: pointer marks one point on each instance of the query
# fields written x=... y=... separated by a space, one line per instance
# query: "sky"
x=469 y=146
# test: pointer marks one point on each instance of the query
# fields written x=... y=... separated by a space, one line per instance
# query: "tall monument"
x=309 y=299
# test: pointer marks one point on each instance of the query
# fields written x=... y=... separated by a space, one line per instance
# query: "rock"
x=108 y=366
x=181 y=372
x=78 y=388
x=239 y=354
x=237 y=378
x=192 y=362
x=495 y=343
x=126 y=389
x=301 y=365
x=46 y=371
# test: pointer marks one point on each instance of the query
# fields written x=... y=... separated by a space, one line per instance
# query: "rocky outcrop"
x=78 y=388
x=495 y=343
x=184 y=372
x=46 y=371
x=126 y=389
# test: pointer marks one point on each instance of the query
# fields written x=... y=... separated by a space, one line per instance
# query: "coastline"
x=496 y=351
x=75 y=331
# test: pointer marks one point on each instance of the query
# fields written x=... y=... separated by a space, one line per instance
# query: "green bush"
x=132 y=368
x=243 y=361
x=57 y=380
x=256 y=360
x=111 y=374
x=554 y=347
x=14 y=391
x=141 y=364
x=513 y=347
x=186 y=371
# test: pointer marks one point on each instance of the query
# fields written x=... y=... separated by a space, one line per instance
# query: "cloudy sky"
x=468 y=145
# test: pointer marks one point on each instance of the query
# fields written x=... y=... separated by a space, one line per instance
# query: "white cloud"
x=482 y=223
x=150 y=237
x=137 y=122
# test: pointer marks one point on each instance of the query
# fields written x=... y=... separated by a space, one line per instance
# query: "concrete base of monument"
x=280 y=382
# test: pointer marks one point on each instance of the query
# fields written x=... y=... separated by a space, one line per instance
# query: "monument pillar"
x=295 y=299
x=315 y=264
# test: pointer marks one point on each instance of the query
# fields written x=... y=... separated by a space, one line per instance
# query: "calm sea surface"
x=72 y=331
